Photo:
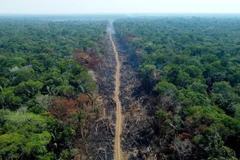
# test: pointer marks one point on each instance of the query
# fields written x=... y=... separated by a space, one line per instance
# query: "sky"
x=117 y=6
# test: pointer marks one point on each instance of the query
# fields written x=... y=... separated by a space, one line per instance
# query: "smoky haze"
x=110 y=29
x=117 y=6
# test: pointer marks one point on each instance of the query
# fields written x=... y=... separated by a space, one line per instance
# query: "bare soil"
x=118 y=130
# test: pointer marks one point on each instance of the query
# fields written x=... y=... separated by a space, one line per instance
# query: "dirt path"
x=117 y=139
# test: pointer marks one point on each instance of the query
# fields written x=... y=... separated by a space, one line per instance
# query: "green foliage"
x=166 y=88
x=65 y=91
x=224 y=96
x=216 y=119
x=234 y=78
x=147 y=75
x=188 y=62
x=219 y=126
x=68 y=155
x=193 y=71
x=22 y=75
x=180 y=59
x=15 y=61
x=4 y=82
x=183 y=79
x=193 y=98
x=198 y=87
x=28 y=89
x=8 y=99
x=23 y=134
x=10 y=144
x=37 y=142
x=209 y=58
x=237 y=89
x=236 y=107
x=192 y=60
x=173 y=73
x=161 y=114
x=36 y=64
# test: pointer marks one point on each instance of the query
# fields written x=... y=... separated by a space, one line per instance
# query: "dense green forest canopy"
x=43 y=86
x=189 y=67
x=192 y=65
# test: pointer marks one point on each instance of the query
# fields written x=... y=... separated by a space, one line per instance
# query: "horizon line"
x=120 y=13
